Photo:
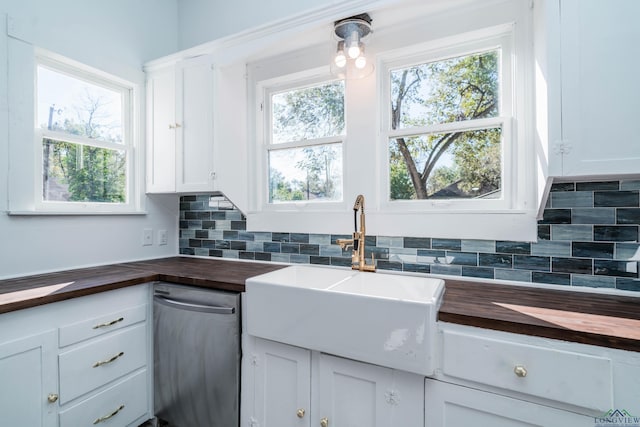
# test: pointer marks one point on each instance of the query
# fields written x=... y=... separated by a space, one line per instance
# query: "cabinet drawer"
x=126 y=400
x=574 y=378
x=76 y=332
x=101 y=361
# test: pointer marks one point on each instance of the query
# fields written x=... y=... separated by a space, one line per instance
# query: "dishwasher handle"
x=191 y=306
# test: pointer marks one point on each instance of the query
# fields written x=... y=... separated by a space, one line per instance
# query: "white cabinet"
x=78 y=361
x=282 y=376
x=295 y=387
x=488 y=372
x=28 y=372
x=180 y=116
x=541 y=371
x=591 y=76
x=355 y=394
x=450 y=405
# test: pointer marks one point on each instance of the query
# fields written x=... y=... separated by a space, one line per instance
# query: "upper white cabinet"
x=180 y=116
x=596 y=104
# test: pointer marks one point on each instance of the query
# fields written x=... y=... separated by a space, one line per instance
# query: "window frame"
x=129 y=93
x=283 y=83
x=500 y=37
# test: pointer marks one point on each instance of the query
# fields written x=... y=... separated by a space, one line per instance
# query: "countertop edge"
x=580 y=337
x=458 y=306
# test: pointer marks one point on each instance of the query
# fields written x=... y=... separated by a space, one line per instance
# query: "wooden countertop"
x=597 y=319
x=31 y=291
x=589 y=318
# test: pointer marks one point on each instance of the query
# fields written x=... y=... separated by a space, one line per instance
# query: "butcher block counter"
x=589 y=318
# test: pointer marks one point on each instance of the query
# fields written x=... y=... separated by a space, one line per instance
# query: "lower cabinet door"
x=118 y=406
x=449 y=405
x=28 y=389
x=296 y=387
x=282 y=385
x=356 y=394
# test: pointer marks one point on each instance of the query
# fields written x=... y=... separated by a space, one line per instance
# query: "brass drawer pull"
x=520 y=371
x=300 y=413
x=104 y=362
x=324 y=422
x=52 y=397
x=106 y=417
x=104 y=325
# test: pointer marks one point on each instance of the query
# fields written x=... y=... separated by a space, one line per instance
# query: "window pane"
x=80 y=173
x=458 y=165
x=309 y=173
x=451 y=90
x=308 y=113
x=75 y=106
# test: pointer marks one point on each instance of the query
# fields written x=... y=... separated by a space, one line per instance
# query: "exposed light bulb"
x=361 y=62
x=353 y=45
x=340 y=60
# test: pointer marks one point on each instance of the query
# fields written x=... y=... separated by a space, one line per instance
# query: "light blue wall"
x=201 y=21
x=117 y=36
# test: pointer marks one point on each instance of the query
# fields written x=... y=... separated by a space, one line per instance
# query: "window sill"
x=75 y=213
x=482 y=225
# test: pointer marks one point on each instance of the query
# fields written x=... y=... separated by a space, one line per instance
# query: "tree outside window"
x=305 y=150
x=440 y=146
x=83 y=138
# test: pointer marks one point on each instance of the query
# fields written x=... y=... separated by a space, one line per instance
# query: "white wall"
x=117 y=36
x=201 y=21
x=308 y=48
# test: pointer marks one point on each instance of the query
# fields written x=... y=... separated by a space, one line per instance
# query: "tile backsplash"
x=588 y=237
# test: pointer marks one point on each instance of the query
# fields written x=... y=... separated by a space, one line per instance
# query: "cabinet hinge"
x=562 y=147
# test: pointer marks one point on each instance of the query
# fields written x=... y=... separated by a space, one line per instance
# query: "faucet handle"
x=345 y=243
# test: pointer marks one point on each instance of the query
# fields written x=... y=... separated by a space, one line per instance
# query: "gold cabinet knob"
x=520 y=371
x=324 y=422
x=300 y=413
x=52 y=397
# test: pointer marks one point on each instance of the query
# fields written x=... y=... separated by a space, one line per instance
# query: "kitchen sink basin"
x=379 y=318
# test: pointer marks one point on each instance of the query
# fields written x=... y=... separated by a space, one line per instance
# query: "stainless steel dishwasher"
x=197 y=356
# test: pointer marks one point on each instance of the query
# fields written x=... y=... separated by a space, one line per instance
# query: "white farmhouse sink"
x=385 y=319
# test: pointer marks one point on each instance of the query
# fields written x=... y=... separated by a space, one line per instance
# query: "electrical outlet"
x=147 y=237
x=162 y=237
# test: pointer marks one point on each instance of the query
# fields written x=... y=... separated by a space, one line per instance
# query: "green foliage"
x=447 y=91
x=401 y=188
x=282 y=190
x=91 y=174
x=302 y=114
x=84 y=173
x=308 y=113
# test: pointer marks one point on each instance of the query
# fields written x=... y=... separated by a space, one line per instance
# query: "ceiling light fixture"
x=349 y=60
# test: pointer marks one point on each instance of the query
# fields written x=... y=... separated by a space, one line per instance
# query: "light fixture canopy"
x=349 y=60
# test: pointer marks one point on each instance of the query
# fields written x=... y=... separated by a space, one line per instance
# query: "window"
x=305 y=131
x=83 y=137
x=447 y=125
x=440 y=139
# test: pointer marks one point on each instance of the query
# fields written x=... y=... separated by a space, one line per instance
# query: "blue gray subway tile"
x=577 y=245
